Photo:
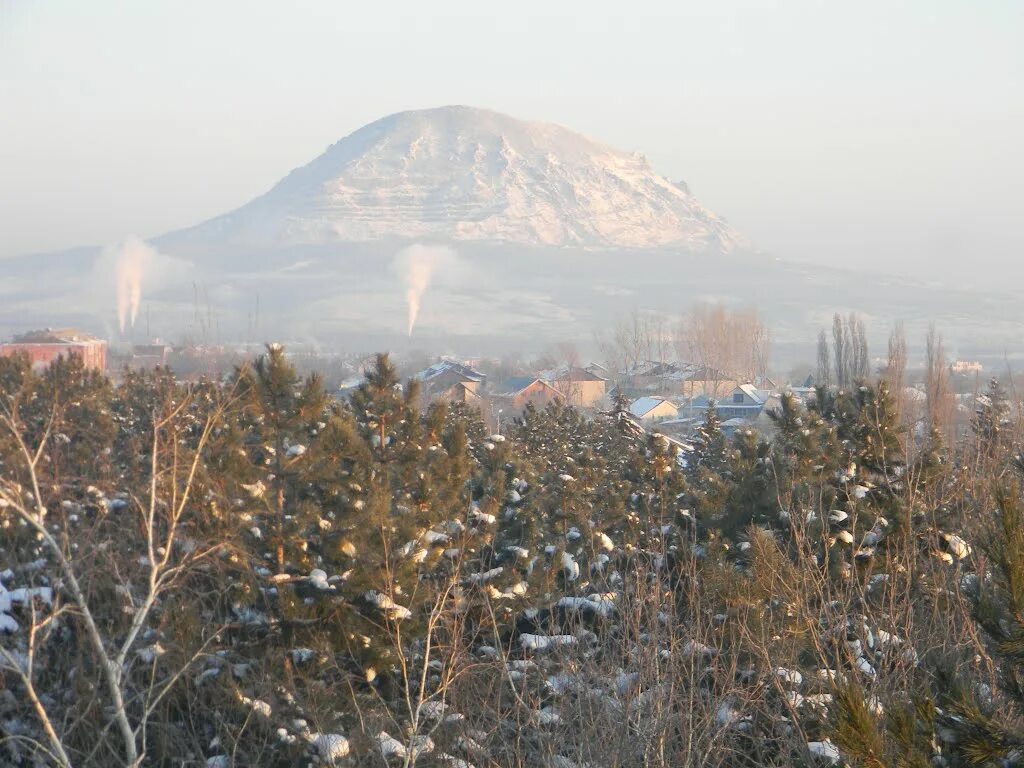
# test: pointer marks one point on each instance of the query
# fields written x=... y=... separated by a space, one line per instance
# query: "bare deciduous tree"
x=733 y=343
x=850 y=344
x=841 y=351
x=859 y=344
x=172 y=481
x=625 y=346
x=939 y=402
x=823 y=373
x=641 y=338
x=896 y=367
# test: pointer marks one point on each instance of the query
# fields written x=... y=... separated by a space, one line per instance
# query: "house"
x=666 y=369
x=441 y=379
x=650 y=409
x=520 y=391
x=744 y=402
x=658 y=369
x=45 y=346
x=582 y=388
x=965 y=367
x=462 y=392
x=709 y=382
x=655 y=376
x=448 y=371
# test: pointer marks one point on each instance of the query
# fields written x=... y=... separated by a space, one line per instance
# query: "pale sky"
x=879 y=133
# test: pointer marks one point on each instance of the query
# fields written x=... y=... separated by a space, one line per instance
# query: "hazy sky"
x=886 y=132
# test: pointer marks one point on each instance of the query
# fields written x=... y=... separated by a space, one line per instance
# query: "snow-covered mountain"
x=465 y=174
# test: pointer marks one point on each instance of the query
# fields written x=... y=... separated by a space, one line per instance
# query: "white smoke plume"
x=131 y=262
x=416 y=265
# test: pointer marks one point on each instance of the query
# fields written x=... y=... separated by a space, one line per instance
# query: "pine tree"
x=386 y=412
x=710 y=447
x=708 y=471
x=283 y=414
x=141 y=397
x=986 y=730
x=754 y=498
x=877 y=446
x=905 y=737
x=798 y=445
x=15 y=373
x=404 y=525
x=872 y=465
x=622 y=416
x=75 y=403
x=17 y=385
x=991 y=422
x=861 y=474
x=620 y=404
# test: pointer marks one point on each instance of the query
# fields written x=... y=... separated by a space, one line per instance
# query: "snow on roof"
x=644 y=405
x=684 y=446
x=662 y=369
x=706 y=373
x=752 y=392
x=570 y=374
x=735 y=423
x=55 y=336
x=517 y=384
x=443 y=367
x=582 y=374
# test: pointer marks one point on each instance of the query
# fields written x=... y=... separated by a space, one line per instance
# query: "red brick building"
x=43 y=347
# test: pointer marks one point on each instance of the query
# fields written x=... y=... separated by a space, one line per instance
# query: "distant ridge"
x=465 y=174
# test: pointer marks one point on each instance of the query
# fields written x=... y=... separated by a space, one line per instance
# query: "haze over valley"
x=548 y=236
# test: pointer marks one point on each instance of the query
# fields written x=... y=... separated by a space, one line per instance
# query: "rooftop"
x=572 y=374
x=753 y=392
x=444 y=367
x=517 y=384
x=644 y=405
x=55 y=336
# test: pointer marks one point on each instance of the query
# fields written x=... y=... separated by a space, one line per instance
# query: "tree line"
x=249 y=571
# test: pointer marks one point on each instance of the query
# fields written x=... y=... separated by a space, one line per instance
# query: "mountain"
x=547 y=236
x=465 y=174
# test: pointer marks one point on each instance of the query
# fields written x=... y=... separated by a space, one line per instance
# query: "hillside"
x=465 y=174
